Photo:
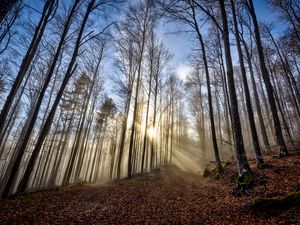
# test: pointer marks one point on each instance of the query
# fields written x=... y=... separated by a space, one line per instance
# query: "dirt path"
x=167 y=197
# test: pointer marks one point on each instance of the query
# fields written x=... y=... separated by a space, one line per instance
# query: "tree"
x=7 y=23
x=124 y=86
x=243 y=166
x=290 y=13
x=28 y=132
x=258 y=154
x=143 y=28
x=266 y=77
x=5 y=7
x=186 y=12
x=48 y=10
x=249 y=57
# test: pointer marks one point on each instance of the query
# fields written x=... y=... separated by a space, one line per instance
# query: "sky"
x=181 y=44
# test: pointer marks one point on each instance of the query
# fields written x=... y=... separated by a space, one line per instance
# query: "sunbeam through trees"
x=108 y=93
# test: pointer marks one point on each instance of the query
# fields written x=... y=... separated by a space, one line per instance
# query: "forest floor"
x=166 y=196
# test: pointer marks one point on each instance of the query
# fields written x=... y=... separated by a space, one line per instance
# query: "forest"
x=149 y=111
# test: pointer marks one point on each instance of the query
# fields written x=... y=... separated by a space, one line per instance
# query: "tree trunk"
x=148 y=103
x=258 y=155
x=5 y=7
x=48 y=122
x=39 y=31
x=266 y=77
x=123 y=135
x=242 y=162
x=209 y=95
x=135 y=112
x=256 y=99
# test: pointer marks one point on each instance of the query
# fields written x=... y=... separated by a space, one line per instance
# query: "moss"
x=245 y=180
x=282 y=153
x=72 y=186
x=291 y=199
x=263 y=165
x=220 y=171
x=211 y=170
x=227 y=164
x=206 y=172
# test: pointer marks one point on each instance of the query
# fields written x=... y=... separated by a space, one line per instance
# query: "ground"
x=166 y=196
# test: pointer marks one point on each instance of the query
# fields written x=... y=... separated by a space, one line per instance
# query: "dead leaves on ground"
x=167 y=197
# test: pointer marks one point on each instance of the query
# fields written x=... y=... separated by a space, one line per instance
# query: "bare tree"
x=5 y=7
x=266 y=77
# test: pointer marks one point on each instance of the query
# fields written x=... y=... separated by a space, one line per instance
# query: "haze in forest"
x=100 y=90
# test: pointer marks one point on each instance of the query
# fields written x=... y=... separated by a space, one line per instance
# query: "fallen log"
x=289 y=200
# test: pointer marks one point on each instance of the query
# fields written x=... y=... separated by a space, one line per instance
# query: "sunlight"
x=151 y=132
x=182 y=71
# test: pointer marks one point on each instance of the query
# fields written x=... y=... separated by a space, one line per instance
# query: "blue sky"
x=181 y=44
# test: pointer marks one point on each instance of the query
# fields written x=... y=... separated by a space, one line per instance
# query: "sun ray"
x=151 y=132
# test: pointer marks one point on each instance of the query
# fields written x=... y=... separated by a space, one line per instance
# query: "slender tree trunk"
x=266 y=77
x=90 y=167
x=47 y=161
x=5 y=7
x=64 y=145
x=59 y=153
x=258 y=155
x=279 y=105
x=242 y=162
x=48 y=122
x=172 y=129
x=135 y=112
x=96 y=177
x=209 y=95
x=154 y=139
x=13 y=113
x=148 y=104
x=256 y=99
x=85 y=136
x=45 y=85
x=96 y=160
x=123 y=135
x=39 y=31
x=288 y=74
x=75 y=146
x=228 y=116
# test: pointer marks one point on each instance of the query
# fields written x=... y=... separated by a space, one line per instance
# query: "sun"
x=151 y=132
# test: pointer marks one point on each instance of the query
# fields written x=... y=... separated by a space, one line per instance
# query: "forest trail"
x=166 y=196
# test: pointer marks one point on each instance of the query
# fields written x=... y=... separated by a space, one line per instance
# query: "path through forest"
x=166 y=196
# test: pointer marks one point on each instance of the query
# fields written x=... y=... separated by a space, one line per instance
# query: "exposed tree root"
x=245 y=181
x=263 y=165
